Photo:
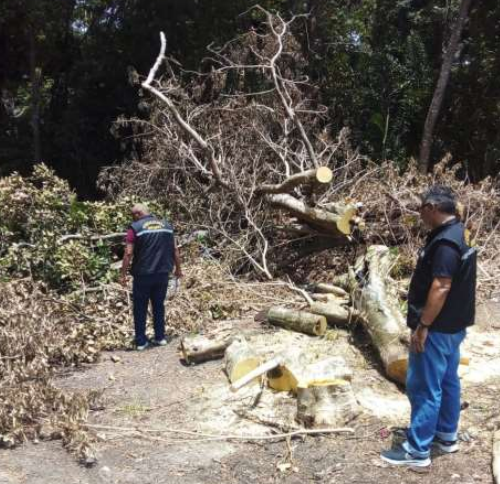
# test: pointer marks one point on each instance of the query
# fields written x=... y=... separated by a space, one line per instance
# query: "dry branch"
x=215 y=437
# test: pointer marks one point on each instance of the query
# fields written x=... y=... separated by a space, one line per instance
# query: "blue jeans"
x=433 y=388
x=149 y=288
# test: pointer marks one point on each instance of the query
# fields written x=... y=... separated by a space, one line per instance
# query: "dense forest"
x=67 y=69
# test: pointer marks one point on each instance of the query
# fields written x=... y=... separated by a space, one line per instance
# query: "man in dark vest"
x=441 y=305
x=150 y=245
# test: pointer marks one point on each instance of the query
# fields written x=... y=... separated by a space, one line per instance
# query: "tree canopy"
x=66 y=67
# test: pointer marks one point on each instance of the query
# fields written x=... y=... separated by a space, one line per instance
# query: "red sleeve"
x=130 y=237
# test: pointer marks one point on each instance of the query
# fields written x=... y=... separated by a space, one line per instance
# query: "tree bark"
x=328 y=405
x=333 y=312
x=379 y=310
x=300 y=321
x=326 y=288
x=36 y=84
x=199 y=348
x=328 y=222
x=444 y=76
x=321 y=175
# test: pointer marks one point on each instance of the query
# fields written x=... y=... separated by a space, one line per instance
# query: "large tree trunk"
x=36 y=84
x=379 y=310
x=300 y=321
x=326 y=405
x=444 y=76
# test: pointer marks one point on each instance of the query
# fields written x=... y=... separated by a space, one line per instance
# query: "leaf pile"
x=48 y=234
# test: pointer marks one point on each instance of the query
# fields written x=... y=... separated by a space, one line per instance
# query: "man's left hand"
x=418 y=338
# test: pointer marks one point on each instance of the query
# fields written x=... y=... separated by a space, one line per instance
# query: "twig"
x=214 y=437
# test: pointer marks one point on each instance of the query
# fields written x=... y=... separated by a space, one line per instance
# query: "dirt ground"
x=153 y=390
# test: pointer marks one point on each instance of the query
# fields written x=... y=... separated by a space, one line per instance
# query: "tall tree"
x=439 y=93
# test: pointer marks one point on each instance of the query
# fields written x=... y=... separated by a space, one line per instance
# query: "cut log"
x=379 y=309
x=321 y=175
x=199 y=348
x=294 y=371
x=327 y=298
x=334 y=313
x=342 y=281
x=323 y=287
x=317 y=296
x=324 y=220
x=300 y=321
x=239 y=360
x=326 y=405
x=496 y=457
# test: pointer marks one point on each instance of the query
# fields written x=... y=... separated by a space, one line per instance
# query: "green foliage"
x=376 y=63
x=39 y=213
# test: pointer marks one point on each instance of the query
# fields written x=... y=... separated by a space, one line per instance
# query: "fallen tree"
x=379 y=310
x=250 y=159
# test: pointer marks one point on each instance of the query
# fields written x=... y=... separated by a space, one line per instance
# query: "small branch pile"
x=40 y=333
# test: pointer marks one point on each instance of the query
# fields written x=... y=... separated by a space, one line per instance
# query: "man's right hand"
x=123 y=280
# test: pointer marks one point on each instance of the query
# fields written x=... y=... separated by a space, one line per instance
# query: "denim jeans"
x=149 y=288
x=433 y=388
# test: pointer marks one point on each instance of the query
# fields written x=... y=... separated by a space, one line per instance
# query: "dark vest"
x=459 y=308
x=153 y=246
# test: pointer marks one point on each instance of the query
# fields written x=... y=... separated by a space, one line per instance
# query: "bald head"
x=140 y=210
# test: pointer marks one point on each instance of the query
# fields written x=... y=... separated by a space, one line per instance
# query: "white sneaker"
x=142 y=347
x=161 y=342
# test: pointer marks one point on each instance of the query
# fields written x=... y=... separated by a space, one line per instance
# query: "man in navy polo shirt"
x=150 y=245
x=441 y=305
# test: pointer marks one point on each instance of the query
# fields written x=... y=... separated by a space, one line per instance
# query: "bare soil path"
x=153 y=390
